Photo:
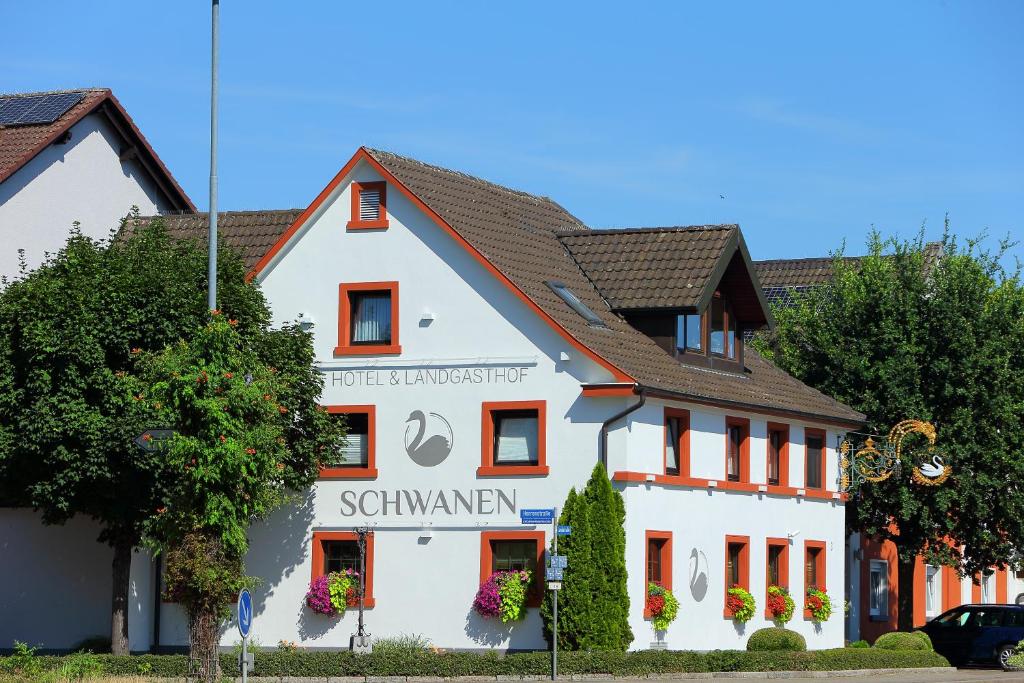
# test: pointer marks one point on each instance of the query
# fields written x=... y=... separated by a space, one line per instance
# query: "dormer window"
x=369 y=206
x=689 y=332
x=723 y=330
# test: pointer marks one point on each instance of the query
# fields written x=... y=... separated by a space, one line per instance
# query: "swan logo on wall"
x=428 y=438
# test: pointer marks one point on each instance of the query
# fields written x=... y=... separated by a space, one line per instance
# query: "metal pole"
x=245 y=649
x=554 y=610
x=211 y=297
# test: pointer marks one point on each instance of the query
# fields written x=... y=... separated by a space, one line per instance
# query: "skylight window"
x=569 y=297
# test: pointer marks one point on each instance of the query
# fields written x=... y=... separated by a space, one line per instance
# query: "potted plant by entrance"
x=780 y=605
x=661 y=605
x=333 y=593
x=740 y=604
x=818 y=604
x=503 y=596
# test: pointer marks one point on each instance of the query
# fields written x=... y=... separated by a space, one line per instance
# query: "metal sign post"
x=554 y=602
x=245 y=662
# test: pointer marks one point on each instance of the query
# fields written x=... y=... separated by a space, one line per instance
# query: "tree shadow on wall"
x=277 y=546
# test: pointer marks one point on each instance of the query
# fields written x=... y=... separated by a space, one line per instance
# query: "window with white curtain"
x=371 y=317
x=932 y=590
x=988 y=587
x=878 y=589
x=515 y=437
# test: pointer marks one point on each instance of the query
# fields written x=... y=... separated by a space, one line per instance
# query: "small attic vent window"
x=569 y=297
x=369 y=205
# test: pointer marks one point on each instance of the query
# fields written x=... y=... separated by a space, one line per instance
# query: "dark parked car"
x=981 y=634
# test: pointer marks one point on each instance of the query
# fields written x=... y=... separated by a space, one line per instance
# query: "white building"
x=73 y=155
x=489 y=349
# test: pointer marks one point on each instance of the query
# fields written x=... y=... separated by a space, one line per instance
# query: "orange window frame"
x=318 y=558
x=783 y=567
x=666 y=561
x=744 y=569
x=488 y=468
x=683 y=444
x=381 y=223
x=819 y=568
x=744 y=424
x=783 y=428
x=345 y=346
x=370 y=470
x=820 y=433
x=487 y=558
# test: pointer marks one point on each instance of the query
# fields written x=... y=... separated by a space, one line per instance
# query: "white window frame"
x=881 y=609
x=932 y=590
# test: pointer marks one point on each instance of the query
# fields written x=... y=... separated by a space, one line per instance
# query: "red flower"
x=776 y=604
x=228 y=375
x=232 y=322
x=250 y=451
x=223 y=438
x=655 y=603
x=734 y=603
x=814 y=602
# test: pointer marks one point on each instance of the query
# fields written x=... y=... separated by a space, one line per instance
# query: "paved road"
x=953 y=676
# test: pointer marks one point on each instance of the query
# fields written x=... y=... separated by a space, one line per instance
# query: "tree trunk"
x=121 y=570
x=905 y=604
x=204 y=636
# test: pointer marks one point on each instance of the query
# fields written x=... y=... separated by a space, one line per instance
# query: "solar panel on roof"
x=36 y=109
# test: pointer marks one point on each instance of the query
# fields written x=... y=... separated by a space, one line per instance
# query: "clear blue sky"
x=814 y=120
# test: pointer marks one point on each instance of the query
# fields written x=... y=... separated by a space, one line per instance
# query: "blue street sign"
x=564 y=530
x=537 y=516
x=553 y=574
x=244 y=613
x=559 y=561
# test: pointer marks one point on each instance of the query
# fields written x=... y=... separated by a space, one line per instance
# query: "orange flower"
x=223 y=438
x=136 y=351
x=280 y=465
x=232 y=322
x=215 y=311
x=147 y=437
x=161 y=511
x=228 y=375
x=250 y=451
x=282 y=410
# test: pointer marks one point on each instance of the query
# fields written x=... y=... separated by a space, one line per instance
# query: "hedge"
x=312 y=663
x=901 y=640
x=775 y=638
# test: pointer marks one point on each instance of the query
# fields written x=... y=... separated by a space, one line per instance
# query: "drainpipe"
x=602 y=444
x=157 y=600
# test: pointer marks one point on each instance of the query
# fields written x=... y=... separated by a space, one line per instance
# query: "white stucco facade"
x=468 y=339
x=82 y=180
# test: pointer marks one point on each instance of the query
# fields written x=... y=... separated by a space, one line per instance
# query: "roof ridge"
x=55 y=92
x=459 y=174
x=635 y=230
x=220 y=213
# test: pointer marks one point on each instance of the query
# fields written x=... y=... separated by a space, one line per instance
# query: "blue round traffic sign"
x=244 y=613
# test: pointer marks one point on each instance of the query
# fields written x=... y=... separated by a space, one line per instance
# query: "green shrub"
x=901 y=640
x=79 y=666
x=859 y=644
x=925 y=637
x=1016 y=660
x=402 y=644
x=776 y=638
x=410 y=662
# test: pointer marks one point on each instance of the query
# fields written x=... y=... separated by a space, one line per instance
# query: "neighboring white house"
x=66 y=156
x=73 y=155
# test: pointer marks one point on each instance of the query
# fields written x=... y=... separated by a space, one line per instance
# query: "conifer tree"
x=610 y=599
x=574 y=600
x=593 y=606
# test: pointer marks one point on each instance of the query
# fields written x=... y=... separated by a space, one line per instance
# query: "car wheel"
x=1003 y=654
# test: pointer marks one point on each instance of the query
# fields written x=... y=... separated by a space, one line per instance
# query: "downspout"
x=602 y=445
x=157 y=600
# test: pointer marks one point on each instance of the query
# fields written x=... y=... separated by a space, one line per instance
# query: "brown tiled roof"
x=651 y=267
x=520 y=235
x=810 y=272
x=249 y=233
x=20 y=144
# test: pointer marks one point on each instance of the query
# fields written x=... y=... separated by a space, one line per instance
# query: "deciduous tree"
x=897 y=336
